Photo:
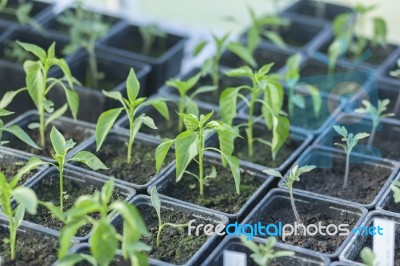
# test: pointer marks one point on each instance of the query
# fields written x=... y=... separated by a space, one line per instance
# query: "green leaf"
x=8 y=97
x=155 y=201
x=242 y=52
x=70 y=260
x=203 y=89
x=104 y=125
x=55 y=210
x=380 y=31
x=32 y=164
x=132 y=86
x=148 y=121
x=67 y=233
x=89 y=159
x=342 y=131
x=58 y=141
x=19 y=215
x=34 y=81
x=21 y=134
x=191 y=107
x=56 y=114
x=199 y=48
x=131 y=217
x=34 y=49
x=226 y=137
x=103 y=232
x=162 y=151
x=233 y=163
x=27 y=198
x=275 y=38
x=281 y=128
x=62 y=64
x=160 y=106
x=361 y=136
x=272 y=172
x=185 y=151
x=73 y=101
x=4 y=112
x=190 y=121
x=107 y=191
x=243 y=71
x=228 y=104
x=51 y=52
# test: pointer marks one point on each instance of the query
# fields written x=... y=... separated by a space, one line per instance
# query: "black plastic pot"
x=389 y=90
x=386 y=203
x=308 y=8
x=302 y=257
x=63 y=124
x=125 y=41
x=278 y=200
x=350 y=253
x=121 y=137
x=93 y=100
x=39 y=11
x=169 y=180
x=83 y=180
x=323 y=158
x=176 y=207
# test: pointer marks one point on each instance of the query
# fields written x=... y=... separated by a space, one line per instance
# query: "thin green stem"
x=61 y=169
x=93 y=67
x=201 y=150
x=42 y=125
x=250 y=125
x=346 y=174
x=181 y=108
x=130 y=141
x=296 y=214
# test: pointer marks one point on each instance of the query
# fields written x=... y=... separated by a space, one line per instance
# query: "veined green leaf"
x=104 y=125
x=27 y=198
x=162 y=151
x=58 y=141
x=35 y=82
x=132 y=86
x=185 y=151
x=34 y=49
x=89 y=159
x=281 y=128
x=21 y=134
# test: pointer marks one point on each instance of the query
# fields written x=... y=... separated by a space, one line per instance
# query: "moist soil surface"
x=262 y=153
x=9 y=169
x=219 y=193
x=31 y=250
x=324 y=244
x=364 y=183
x=48 y=191
x=392 y=206
x=142 y=166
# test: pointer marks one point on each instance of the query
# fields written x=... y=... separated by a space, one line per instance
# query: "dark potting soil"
x=320 y=243
x=219 y=193
x=134 y=43
x=364 y=183
x=30 y=250
x=9 y=169
x=392 y=206
x=262 y=153
x=48 y=191
x=142 y=166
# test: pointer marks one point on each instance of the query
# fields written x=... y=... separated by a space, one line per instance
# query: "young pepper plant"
x=376 y=114
x=264 y=254
x=155 y=201
x=39 y=84
x=351 y=141
x=368 y=257
x=190 y=145
x=290 y=178
x=267 y=86
x=21 y=12
x=25 y=198
x=396 y=191
x=82 y=213
x=131 y=105
x=149 y=34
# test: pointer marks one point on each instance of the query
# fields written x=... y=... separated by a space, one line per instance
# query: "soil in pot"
x=48 y=191
x=219 y=193
x=262 y=153
x=142 y=166
x=11 y=168
x=364 y=183
x=176 y=246
x=391 y=205
x=30 y=249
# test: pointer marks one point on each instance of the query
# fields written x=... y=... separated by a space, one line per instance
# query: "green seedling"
x=25 y=198
x=13 y=51
x=347 y=28
x=396 y=73
x=39 y=84
x=351 y=141
x=61 y=148
x=396 y=191
x=21 y=12
x=186 y=103
x=376 y=114
x=267 y=87
x=264 y=254
x=368 y=257
x=101 y=253
x=149 y=34
x=85 y=28
x=293 y=176
x=190 y=147
x=155 y=201
x=131 y=105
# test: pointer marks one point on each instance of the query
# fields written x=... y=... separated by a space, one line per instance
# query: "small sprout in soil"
x=149 y=34
x=85 y=28
x=25 y=198
x=131 y=106
x=186 y=103
x=13 y=129
x=21 y=12
x=61 y=148
x=368 y=257
x=39 y=85
x=291 y=78
x=267 y=86
x=349 y=31
x=396 y=191
x=264 y=254
x=190 y=147
x=293 y=176
x=155 y=201
x=396 y=73
x=82 y=213
x=376 y=114
x=351 y=141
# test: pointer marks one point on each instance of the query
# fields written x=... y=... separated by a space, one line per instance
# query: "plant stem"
x=296 y=214
x=181 y=109
x=250 y=125
x=42 y=126
x=61 y=169
x=397 y=106
x=13 y=236
x=201 y=149
x=160 y=228
x=92 y=67
x=290 y=104
x=372 y=136
x=130 y=141
x=346 y=174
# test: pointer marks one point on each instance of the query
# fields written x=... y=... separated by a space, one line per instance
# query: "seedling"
x=351 y=141
x=264 y=254
x=396 y=73
x=149 y=34
x=396 y=191
x=82 y=213
x=131 y=105
x=368 y=257
x=186 y=102
x=21 y=12
x=39 y=85
x=347 y=28
x=25 y=198
x=190 y=147
x=155 y=201
x=293 y=176
x=85 y=28
x=61 y=148
x=267 y=86
x=376 y=114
